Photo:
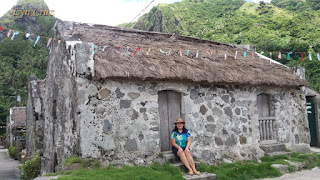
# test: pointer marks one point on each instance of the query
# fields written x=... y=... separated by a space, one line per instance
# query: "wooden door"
x=263 y=103
x=169 y=103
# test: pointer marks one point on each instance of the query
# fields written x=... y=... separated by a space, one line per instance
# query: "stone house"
x=119 y=107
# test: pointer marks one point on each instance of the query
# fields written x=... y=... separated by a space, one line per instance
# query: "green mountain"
x=283 y=25
x=18 y=58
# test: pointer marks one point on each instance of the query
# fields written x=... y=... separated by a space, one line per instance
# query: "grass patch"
x=155 y=171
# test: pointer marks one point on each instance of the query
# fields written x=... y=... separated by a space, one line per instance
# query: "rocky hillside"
x=18 y=58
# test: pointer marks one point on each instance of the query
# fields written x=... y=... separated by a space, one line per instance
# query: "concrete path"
x=300 y=175
x=8 y=166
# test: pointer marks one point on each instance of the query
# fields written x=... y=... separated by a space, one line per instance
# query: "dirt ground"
x=8 y=166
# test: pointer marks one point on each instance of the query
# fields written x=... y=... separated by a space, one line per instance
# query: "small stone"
x=232 y=100
x=100 y=110
x=203 y=110
x=244 y=120
x=231 y=141
x=216 y=111
x=218 y=141
x=194 y=94
x=237 y=111
x=244 y=129
x=142 y=89
x=228 y=111
x=195 y=115
x=225 y=98
x=210 y=127
x=209 y=105
x=119 y=93
x=154 y=128
x=134 y=115
x=236 y=130
x=108 y=143
x=143 y=110
x=104 y=93
x=133 y=95
x=199 y=100
x=210 y=118
x=141 y=136
x=125 y=103
x=224 y=131
x=107 y=126
x=131 y=145
x=243 y=140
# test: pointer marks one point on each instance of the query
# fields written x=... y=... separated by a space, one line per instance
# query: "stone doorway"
x=169 y=103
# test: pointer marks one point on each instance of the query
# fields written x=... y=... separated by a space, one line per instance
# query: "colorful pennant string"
x=261 y=54
x=136 y=51
x=95 y=49
x=49 y=40
x=295 y=54
x=270 y=55
x=188 y=52
x=302 y=57
x=28 y=35
x=288 y=56
x=235 y=57
x=36 y=41
x=104 y=47
x=244 y=54
x=225 y=55
x=197 y=55
x=8 y=35
x=310 y=57
x=318 y=55
x=279 y=56
x=148 y=51
x=14 y=34
x=180 y=52
x=1 y=29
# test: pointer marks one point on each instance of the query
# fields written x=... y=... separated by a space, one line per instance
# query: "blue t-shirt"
x=181 y=138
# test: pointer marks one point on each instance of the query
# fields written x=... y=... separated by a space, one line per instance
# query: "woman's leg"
x=184 y=161
x=191 y=162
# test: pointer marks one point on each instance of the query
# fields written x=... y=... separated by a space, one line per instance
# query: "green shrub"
x=30 y=169
x=73 y=159
x=12 y=151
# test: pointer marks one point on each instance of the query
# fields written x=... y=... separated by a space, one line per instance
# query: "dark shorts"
x=175 y=150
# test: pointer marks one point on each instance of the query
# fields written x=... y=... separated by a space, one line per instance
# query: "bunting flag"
x=279 y=56
x=209 y=53
x=180 y=52
x=318 y=55
x=119 y=48
x=310 y=57
x=136 y=51
x=270 y=55
x=148 y=51
x=167 y=53
x=235 y=57
x=197 y=55
x=49 y=40
x=295 y=54
x=104 y=47
x=288 y=54
x=28 y=35
x=127 y=49
x=8 y=35
x=261 y=54
x=15 y=33
x=188 y=52
x=225 y=55
x=1 y=29
x=302 y=57
x=244 y=54
x=36 y=41
x=95 y=49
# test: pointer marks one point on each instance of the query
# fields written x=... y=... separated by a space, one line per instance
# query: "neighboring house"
x=16 y=128
x=120 y=108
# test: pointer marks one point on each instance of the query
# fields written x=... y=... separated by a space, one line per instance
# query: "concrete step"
x=181 y=165
x=202 y=176
x=170 y=157
x=280 y=153
x=271 y=148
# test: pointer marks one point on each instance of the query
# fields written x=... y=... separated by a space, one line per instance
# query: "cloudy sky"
x=109 y=12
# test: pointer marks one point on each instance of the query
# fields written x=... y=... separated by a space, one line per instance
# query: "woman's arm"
x=173 y=142
x=188 y=142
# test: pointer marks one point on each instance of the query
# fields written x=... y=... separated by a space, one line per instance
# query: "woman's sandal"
x=190 y=172
x=197 y=172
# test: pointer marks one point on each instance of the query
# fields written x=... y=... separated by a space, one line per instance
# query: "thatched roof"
x=115 y=63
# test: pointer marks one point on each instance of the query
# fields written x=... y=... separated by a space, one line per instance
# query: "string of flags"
x=13 y=33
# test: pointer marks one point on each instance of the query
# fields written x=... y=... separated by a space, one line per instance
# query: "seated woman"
x=181 y=141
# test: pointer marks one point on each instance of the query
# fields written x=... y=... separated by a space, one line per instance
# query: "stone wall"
x=119 y=119
x=35 y=118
